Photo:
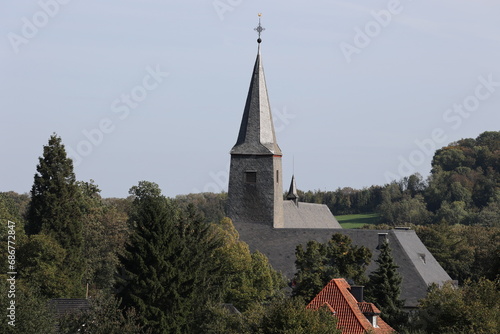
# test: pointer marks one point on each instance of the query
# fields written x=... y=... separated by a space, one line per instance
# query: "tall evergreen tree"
x=384 y=288
x=55 y=210
x=320 y=263
x=168 y=266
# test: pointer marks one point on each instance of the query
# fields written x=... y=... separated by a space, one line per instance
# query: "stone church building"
x=255 y=178
x=275 y=226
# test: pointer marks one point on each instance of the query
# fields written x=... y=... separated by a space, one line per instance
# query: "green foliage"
x=10 y=212
x=454 y=212
x=104 y=316
x=105 y=231
x=400 y=207
x=40 y=261
x=169 y=270
x=345 y=201
x=463 y=251
x=217 y=318
x=211 y=206
x=248 y=277
x=290 y=316
x=490 y=214
x=384 y=288
x=463 y=188
x=14 y=205
x=473 y=308
x=319 y=263
x=284 y=315
x=32 y=314
x=55 y=210
x=467 y=171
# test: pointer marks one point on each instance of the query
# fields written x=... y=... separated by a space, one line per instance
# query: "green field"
x=357 y=221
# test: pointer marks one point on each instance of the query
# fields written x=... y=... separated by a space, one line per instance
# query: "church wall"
x=255 y=202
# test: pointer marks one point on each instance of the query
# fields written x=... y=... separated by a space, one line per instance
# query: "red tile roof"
x=368 y=308
x=351 y=320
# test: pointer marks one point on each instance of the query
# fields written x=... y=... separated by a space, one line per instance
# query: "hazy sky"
x=362 y=91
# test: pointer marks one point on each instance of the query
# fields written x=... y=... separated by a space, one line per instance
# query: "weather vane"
x=259 y=29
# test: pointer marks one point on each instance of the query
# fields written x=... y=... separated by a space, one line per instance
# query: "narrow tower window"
x=250 y=177
x=277 y=176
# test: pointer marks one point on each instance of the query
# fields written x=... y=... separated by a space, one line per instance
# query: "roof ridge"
x=353 y=304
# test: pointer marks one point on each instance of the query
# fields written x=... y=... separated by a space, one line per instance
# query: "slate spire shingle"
x=257 y=136
x=292 y=193
x=255 y=190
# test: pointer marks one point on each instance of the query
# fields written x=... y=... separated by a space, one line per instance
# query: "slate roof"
x=351 y=319
x=416 y=264
x=63 y=306
x=292 y=192
x=308 y=215
x=257 y=136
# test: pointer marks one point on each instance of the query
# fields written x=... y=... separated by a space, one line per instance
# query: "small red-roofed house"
x=354 y=316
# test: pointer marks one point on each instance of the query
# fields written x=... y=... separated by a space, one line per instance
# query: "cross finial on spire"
x=259 y=29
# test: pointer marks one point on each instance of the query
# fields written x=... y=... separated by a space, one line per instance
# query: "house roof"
x=351 y=319
x=63 y=306
x=368 y=308
x=257 y=136
x=416 y=264
x=308 y=215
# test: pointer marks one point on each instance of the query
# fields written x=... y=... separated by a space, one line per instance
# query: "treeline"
x=463 y=188
x=147 y=263
x=152 y=264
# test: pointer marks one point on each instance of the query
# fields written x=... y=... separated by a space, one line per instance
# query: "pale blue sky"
x=348 y=118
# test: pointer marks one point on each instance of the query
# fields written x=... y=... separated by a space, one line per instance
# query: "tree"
x=466 y=171
x=105 y=231
x=212 y=206
x=291 y=316
x=14 y=205
x=319 y=263
x=384 y=288
x=402 y=203
x=248 y=277
x=104 y=316
x=490 y=215
x=40 y=261
x=464 y=252
x=450 y=248
x=169 y=270
x=55 y=210
x=32 y=314
x=473 y=308
x=454 y=213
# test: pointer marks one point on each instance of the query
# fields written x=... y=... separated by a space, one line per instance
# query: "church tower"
x=255 y=192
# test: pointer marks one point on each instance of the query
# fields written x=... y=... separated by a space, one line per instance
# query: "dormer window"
x=372 y=318
x=374 y=321
x=422 y=257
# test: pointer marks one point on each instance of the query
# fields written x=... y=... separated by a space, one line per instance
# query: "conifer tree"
x=384 y=288
x=168 y=266
x=55 y=210
x=319 y=263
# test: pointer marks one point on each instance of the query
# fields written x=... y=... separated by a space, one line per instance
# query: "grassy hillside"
x=357 y=221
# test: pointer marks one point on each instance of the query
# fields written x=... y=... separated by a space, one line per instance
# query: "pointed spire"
x=292 y=193
x=257 y=136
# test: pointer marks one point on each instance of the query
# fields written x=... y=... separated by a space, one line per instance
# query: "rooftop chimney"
x=382 y=237
x=357 y=292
